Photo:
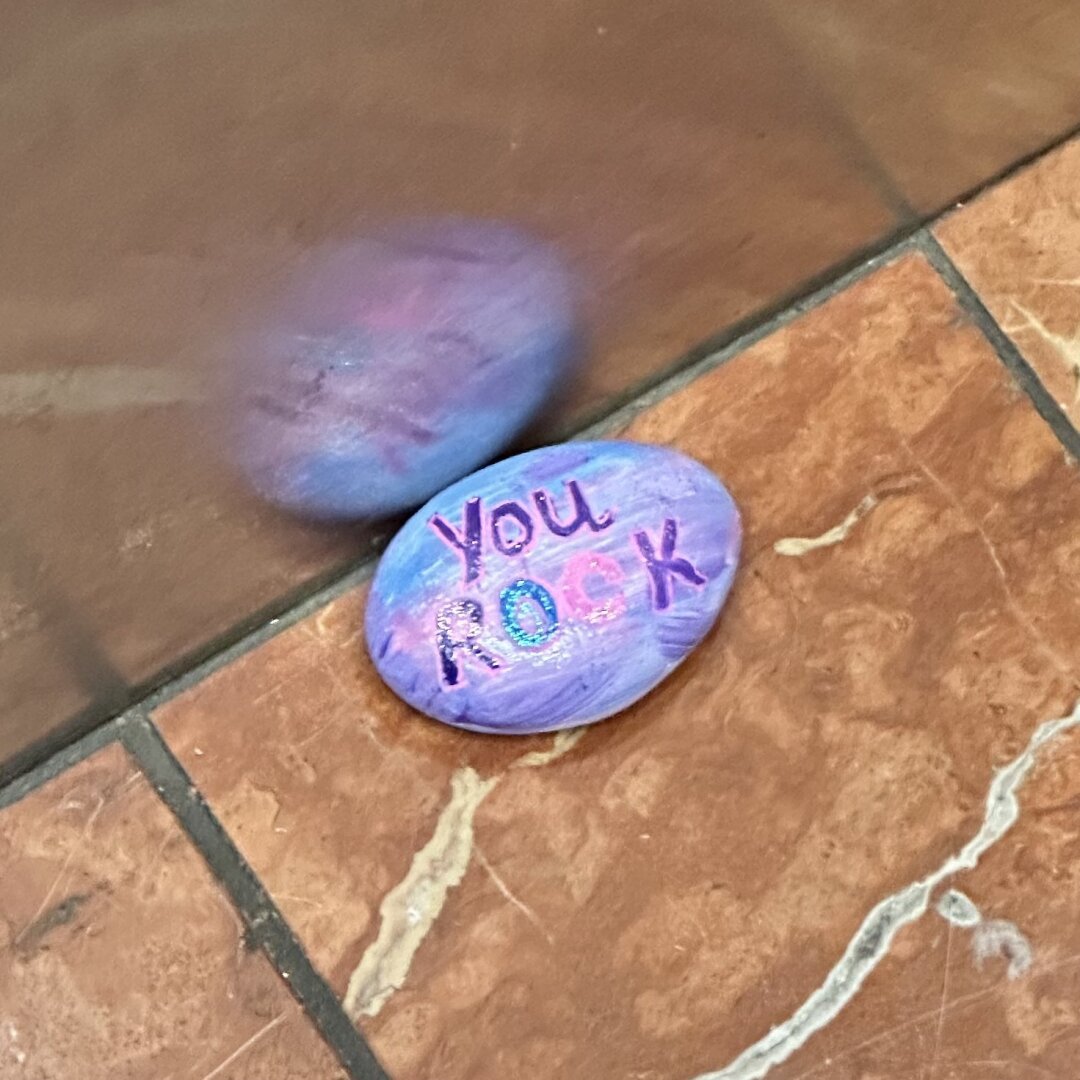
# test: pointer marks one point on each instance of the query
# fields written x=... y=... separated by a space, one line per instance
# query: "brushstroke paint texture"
x=398 y=363
x=491 y=624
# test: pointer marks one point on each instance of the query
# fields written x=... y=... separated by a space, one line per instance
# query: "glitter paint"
x=555 y=588
x=514 y=598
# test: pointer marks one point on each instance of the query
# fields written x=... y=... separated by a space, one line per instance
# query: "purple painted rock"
x=553 y=589
x=400 y=362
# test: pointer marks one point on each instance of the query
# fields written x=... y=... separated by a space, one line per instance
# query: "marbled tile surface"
x=997 y=1000
x=649 y=898
x=1019 y=246
x=121 y=957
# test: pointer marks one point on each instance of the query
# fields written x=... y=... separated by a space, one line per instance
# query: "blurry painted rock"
x=554 y=588
x=399 y=363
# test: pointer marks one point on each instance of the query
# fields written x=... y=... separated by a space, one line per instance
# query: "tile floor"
x=683 y=165
x=840 y=842
x=168 y=164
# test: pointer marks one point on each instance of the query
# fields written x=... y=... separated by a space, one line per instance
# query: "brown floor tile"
x=121 y=957
x=166 y=166
x=648 y=897
x=1019 y=246
x=997 y=1001
x=943 y=96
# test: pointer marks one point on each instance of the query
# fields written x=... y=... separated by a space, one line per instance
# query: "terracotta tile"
x=1019 y=246
x=121 y=957
x=942 y=95
x=166 y=167
x=652 y=895
x=995 y=1000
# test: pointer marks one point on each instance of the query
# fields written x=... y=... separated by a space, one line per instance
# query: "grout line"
x=250 y=633
x=742 y=333
x=266 y=926
x=311 y=603
x=282 y=611
x=708 y=354
x=772 y=314
x=61 y=761
x=618 y=419
x=1017 y=165
x=1003 y=345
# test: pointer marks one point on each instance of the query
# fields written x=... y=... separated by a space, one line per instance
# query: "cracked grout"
x=744 y=335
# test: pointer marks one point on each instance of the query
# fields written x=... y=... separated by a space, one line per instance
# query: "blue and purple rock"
x=553 y=589
x=400 y=362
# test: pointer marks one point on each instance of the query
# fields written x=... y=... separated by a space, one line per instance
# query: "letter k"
x=667 y=564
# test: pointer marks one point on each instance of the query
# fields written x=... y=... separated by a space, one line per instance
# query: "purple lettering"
x=525 y=524
x=468 y=547
x=667 y=563
x=582 y=513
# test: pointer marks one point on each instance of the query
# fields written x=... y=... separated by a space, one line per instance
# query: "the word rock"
x=553 y=589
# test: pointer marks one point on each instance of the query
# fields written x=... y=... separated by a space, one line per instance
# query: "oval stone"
x=399 y=362
x=553 y=589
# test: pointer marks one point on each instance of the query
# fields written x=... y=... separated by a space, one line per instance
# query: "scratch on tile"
x=874 y=937
x=293 y=898
x=276 y=689
x=321 y=628
x=940 y=1029
x=509 y=895
x=50 y=893
x=1014 y=605
x=244 y=1047
x=801 y=545
x=1067 y=348
x=410 y=909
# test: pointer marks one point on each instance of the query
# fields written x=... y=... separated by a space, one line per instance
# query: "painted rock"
x=554 y=588
x=399 y=363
